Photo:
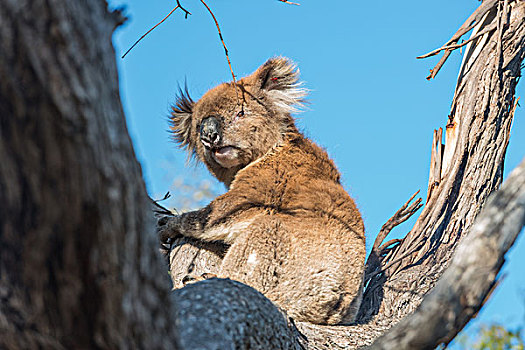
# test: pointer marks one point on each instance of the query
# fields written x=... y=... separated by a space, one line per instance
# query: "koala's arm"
x=218 y=221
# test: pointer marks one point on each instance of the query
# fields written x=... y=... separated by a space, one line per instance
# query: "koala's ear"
x=279 y=79
x=180 y=120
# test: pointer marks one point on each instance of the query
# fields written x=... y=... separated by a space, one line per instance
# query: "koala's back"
x=303 y=246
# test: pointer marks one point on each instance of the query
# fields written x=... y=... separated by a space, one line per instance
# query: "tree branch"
x=471 y=276
x=380 y=250
x=186 y=13
x=473 y=20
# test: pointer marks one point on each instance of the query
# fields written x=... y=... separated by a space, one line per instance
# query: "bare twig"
x=166 y=196
x=402 y=215
x=378 y=250
x=159 y=209
x=222 y=41
x=457 y=46
x=186 y=13
x=470 y=23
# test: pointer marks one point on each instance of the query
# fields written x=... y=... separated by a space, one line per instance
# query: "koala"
x=292 y=231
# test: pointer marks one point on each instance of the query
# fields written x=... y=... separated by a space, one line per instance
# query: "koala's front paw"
x=168 y=228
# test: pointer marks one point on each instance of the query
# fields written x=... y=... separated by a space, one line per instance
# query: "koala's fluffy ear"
x=180 y=120
x=279 y=79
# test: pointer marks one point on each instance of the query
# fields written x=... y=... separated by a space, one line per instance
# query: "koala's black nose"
x=210 y=131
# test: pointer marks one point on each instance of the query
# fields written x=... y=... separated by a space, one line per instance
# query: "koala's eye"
x=239 y=115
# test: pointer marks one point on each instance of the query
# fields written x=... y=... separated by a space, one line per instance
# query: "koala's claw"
x=167 y=229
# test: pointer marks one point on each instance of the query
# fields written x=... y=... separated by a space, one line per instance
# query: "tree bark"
x=79 y=266
x=471 y=276
x=477 y=134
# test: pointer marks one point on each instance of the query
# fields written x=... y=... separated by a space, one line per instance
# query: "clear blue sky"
x=370 y=105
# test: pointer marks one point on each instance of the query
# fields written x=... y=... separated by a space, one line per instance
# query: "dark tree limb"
x=78 y=268
x=225 y=314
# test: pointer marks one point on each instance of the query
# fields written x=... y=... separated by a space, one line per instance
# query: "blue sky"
x=370 y=105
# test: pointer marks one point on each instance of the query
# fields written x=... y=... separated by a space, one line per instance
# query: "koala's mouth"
x=225 y=156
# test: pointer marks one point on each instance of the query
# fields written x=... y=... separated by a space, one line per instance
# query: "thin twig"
x=403 y=214
x=470 y=23
x=186 y=13
x=457 y=46
x=166 y=196
x=160 y=210
x=222 y=41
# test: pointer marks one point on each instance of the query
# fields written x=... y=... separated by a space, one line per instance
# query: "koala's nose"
x=210 y=131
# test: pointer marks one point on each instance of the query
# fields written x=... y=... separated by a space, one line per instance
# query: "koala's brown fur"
x=294 y=233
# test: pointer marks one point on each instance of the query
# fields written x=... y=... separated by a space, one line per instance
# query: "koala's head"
x=234 y=125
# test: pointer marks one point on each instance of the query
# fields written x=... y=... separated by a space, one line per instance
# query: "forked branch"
x=452 y=47
x=379 y=250
x=186 y=13
x=468 y=25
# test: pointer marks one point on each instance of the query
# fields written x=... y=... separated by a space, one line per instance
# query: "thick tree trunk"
x=79 y=266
